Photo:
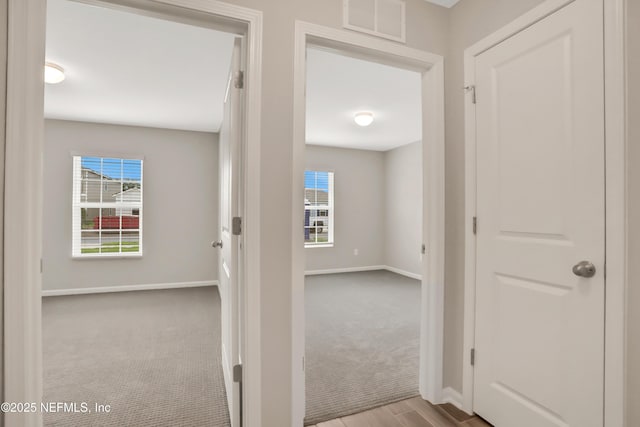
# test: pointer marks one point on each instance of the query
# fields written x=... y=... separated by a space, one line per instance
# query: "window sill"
x=319 y=245
x=103 y=256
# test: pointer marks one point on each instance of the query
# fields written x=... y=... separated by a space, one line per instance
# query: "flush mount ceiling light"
x=53 y=73
x=363 y=118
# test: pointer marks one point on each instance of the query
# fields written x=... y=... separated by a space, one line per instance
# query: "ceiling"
x=445 y=3
x=124 y=68
x=339 y=86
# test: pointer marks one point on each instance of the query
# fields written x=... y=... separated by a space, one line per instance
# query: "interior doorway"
x=429 y=75
x=537 y=256
x=23 y=294
x=363 y=178
x=124 y=131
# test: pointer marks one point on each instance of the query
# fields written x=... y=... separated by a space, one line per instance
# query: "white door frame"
x=23 y=194
x=615 y=188
x=432 y=312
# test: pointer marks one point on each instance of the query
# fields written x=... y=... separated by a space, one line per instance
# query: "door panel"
x=229 y=142
x=540 y=206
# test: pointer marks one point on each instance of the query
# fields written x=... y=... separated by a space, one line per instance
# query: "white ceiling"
x=124 y=68
x=445 y=3
x=339 y=86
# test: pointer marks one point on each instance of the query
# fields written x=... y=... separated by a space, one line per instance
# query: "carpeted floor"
x=362 y=342
x=154 y=356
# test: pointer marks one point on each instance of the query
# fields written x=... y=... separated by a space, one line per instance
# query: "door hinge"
x=237 y=374
x=424 y=249
x=237 y=378
x=41 y=268
x=238 y=80
x=473 y=356
x=236 y=226
x=475 y=225
x=303 y=364
x=472 y=89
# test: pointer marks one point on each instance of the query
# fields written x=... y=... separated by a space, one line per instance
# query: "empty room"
x=363 y=234
x=131 y=310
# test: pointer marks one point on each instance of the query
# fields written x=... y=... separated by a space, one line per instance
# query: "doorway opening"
x=363 y=234
x=341 y=232
x=130 y=141
x=135 y=141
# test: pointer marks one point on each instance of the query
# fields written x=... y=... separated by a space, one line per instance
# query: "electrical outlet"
x=355 y=252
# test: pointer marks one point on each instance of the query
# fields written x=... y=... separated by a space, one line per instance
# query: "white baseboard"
x=125 y=288
x=452 y=396
x=365 y=268
x=403 y=272
x=344 y=270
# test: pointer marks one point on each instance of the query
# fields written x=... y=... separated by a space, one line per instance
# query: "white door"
x=230 y=139
x=540 y=207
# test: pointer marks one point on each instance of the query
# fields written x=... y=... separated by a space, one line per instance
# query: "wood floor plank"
x=458 y=414
x=430 y=413
x=476 y=422
x=413 y=419
x=413 y=412
x=332 y=423
x=380 y=417
x=399 y=407
x=357 y=420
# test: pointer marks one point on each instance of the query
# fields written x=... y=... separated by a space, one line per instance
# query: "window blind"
x=318 y=208
x=106 y=207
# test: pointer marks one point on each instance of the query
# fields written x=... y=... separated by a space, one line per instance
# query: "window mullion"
x=100 y=222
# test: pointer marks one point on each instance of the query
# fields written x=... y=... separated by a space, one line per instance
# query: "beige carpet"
x=362 y=342
x=154 y=356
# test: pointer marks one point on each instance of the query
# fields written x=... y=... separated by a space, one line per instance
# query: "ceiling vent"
x=382 y=18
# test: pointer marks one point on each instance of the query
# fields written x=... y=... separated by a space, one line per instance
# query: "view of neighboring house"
x=100 y=188
x=96 y=185
x=132 y=195
x=95 y=188
x=315 y=219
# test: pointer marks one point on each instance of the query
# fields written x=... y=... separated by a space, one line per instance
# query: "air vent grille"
x=382 y=18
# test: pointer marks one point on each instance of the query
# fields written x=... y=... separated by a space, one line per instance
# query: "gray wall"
x=378 y=207
x=403 y=208
x=359 y=183
x=469 y=22
x=180 y=205
x=427 y=30
x=633 y=190
x=3 y=93
x=430 y=28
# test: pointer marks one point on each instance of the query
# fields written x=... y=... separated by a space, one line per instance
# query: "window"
x=106 y=207
x=318 y=209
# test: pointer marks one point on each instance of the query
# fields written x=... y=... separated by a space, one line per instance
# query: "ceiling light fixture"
x=53 y=73
x=363 y=118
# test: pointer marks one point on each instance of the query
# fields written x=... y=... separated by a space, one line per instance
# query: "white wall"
x=180 y=205
x=403 y=208
x=359 y=184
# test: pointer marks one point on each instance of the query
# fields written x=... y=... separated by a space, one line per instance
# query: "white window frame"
x=79 y=202
x=329 y=207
